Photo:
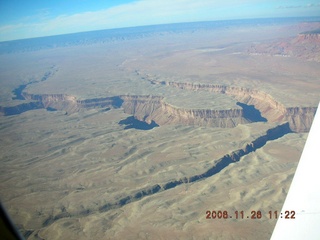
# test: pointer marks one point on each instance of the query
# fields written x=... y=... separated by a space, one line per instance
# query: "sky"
x=21 y=19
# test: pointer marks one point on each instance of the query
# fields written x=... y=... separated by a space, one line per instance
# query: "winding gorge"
x=136 y=133
x=155 y=111
x=154 y=108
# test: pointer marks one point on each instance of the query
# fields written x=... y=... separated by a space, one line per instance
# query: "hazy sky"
x=34 y=18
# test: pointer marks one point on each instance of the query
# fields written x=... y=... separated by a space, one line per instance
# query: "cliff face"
x=70 y=104
x=55 y=101
x=151 y=108
x=308 y=38
x=299 y=118
x=305 y=46
x=7 y=111
x=143 y=108
x=154 y=108
x=263 y=101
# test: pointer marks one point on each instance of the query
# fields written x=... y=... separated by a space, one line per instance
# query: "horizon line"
x=161 y=24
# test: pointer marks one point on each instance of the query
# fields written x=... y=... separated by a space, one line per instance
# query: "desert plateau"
x=143 y=133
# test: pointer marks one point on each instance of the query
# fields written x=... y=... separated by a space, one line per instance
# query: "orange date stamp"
x=223 y=214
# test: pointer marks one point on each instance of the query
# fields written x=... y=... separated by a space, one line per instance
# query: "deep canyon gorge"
x=136 y=133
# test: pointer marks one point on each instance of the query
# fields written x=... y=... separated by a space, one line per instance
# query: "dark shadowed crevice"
x=8 y=111
x=222 y=163
x=18 y=92
x=135 y=197
x=233 y=157
x=106 y=109
x=50 y=109
x=117 y=102
x=251 y=113
x=131 y=122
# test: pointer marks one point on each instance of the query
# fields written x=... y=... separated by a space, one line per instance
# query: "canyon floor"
x=75 y=166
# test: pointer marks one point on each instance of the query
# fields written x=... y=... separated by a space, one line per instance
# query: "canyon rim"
x=136 y=133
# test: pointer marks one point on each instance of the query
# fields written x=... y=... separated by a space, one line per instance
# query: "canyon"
x=154 y=108
x=137 y=133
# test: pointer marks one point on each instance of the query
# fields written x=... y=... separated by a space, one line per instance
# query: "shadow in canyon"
x=233 y=157
x=131 y=122
x=251 y=113
x=18 y=92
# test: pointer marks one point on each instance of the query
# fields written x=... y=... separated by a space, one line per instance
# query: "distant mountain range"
x=305 y=45
x=121 y=34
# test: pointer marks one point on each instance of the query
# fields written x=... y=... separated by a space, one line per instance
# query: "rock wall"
x=309 y=37
x=7 y=111
x=56 y=101
x=305 y=46
x=143 y=108
x=70 y=104
x=299 y=118
x=154 y=108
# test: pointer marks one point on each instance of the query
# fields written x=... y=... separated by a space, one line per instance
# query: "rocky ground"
x=74 y=166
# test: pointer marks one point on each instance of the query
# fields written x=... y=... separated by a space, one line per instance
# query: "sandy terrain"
x=86 y=160
x=76 y=173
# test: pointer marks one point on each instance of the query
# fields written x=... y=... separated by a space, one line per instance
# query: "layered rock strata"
x=299 y=118
x=70 y=104
x=154 y=108
x=305 y=46
x=151 y=108
x=143 y=108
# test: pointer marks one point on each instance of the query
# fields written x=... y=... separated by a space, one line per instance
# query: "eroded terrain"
x=137 y=137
